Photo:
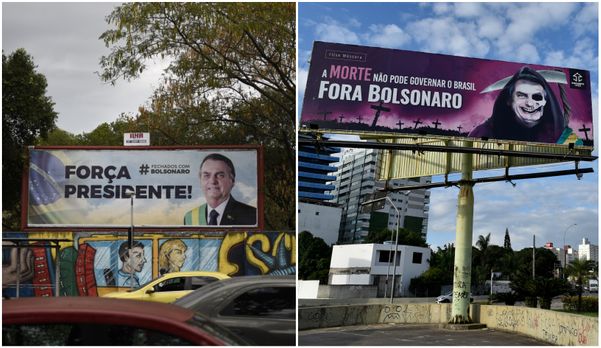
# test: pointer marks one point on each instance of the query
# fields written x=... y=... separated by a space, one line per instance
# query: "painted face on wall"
x=216 y=180
x=136 y=259
x=528 y=102
x=177 y=257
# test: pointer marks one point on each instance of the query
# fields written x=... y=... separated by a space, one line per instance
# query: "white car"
x=448 y=298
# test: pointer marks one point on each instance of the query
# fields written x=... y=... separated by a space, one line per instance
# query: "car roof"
x=194 y=274
x=235 y=282
x=66 y=307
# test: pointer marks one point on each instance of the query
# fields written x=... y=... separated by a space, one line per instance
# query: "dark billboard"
x=368 y=89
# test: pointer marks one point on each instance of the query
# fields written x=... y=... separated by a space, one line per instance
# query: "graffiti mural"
x=93 y=264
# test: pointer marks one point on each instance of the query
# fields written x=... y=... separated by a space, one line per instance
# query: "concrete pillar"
x=463 y=243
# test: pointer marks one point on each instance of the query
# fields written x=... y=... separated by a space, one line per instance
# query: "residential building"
x=356 y=180
x=373 y=264
x=315 y=213
x=588 y=251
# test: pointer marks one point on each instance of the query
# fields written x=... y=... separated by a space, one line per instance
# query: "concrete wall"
x=347 y=291
x=553 y=327
x=558 y=328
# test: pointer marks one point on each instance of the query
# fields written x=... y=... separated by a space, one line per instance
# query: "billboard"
x=187 y=188
x=359 y=89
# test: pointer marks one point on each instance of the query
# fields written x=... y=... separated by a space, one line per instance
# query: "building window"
x=316 y=213
x=417 y=258
x=384 y=256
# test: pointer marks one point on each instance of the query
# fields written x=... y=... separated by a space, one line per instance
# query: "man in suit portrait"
x=217 y=178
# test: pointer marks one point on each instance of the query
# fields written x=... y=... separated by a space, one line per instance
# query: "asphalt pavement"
x=411 y=335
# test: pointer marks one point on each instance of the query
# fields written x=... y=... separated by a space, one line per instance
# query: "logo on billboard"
x=346 y=55
x=577 y=79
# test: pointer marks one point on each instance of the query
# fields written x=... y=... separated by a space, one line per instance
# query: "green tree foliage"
x=231 y=80
x=507 y=240
x=314 y=258
x=440 y=273
x=27 y=113
x=581 y=271
x=406 y=237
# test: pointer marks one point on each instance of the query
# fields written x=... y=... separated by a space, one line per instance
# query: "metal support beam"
x=441 y=148
x=447 y=183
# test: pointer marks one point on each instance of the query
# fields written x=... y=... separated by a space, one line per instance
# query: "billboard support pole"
x=130 y=240
x=463 y=247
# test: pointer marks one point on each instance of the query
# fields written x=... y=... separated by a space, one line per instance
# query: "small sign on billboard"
x=136 y=139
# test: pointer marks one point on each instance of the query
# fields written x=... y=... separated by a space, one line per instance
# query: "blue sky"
x=556 y=34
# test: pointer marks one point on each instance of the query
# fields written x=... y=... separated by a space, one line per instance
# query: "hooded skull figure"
x=527 y=102
x=525 y=109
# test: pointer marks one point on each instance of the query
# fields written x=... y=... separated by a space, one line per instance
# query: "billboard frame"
x=145 y=229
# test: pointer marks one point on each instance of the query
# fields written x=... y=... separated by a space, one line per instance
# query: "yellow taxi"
x=170 y=286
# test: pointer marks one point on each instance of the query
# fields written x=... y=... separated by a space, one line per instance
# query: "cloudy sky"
x=556 y=34
x=63 y=40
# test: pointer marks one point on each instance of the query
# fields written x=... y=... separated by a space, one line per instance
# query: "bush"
x=531 y=301
x=589 y=303
x=508 y=297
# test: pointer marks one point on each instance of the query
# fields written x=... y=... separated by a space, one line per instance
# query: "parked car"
x=260 y=309
x=170 y=286
x=96 y=321
x=448 y=298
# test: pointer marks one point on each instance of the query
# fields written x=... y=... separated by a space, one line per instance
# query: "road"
x=411 y=335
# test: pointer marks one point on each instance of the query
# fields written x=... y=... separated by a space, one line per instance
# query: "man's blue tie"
x=213 y=217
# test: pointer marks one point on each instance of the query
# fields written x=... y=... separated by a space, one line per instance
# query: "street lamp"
x=565 y=252
x=398 y=214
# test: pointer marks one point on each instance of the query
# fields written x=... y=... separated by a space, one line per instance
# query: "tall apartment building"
x=356 y=179
x=588 y=251
x=315 y=213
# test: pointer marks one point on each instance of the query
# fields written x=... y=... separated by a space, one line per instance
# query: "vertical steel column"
x=57 y=271
x=463 y=243
x=18 y=268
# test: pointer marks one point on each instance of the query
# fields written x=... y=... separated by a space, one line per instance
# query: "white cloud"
x=441 y=8
x=302 y=80
x=333 y=31
x=389 y=35
x=585 y=21
x=581 y=56
x=490 y=27
x=526 y=52
x=470 y=9
x=448 y=35
x=526 y=21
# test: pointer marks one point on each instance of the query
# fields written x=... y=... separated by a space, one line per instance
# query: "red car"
x=95 y=321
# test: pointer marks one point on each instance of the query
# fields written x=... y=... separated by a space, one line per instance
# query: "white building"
x=321 y=220
x=368 y=264
x=588 y=251
x=356 y=179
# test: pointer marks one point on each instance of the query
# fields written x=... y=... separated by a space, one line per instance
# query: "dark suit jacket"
x=238 y=213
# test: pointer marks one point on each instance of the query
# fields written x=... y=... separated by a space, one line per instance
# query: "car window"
x=273 y=302
x=85 y=334
x=199 y=282
x=173 y=284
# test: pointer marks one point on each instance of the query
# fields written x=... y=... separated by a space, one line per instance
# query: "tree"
x=27 y=113
x=314 y=258
x=507 y=241
x=406 y=237
x=231 y=80
x=483 y=243
x=581 y=271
